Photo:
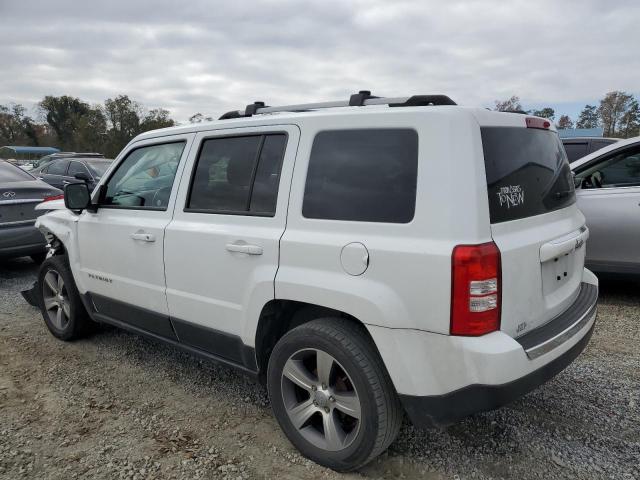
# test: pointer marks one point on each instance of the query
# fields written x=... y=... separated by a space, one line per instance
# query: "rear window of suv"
x=362 y=175
x=527 y=172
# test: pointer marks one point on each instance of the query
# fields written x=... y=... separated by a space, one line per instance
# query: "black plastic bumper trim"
x=212 y=344
x=582 y=306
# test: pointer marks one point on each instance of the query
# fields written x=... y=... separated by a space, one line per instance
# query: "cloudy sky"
x=212 y=56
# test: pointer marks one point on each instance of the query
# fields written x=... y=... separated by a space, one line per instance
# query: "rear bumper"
x=443 y=378
x=446 y=409
x=17 y=241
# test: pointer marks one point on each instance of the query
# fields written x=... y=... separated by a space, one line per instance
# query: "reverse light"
x=48 y=198
x=475 y=289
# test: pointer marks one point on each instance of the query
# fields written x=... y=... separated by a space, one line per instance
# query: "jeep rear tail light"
x=475 y=289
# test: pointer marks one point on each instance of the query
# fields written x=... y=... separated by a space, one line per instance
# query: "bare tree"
x=612 y=109
x=510 y=105
x=546 y=112
x=564 y=122
x=630 y=122
x=198 y=118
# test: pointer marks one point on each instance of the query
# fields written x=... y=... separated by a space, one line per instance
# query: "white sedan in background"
x=608 y=193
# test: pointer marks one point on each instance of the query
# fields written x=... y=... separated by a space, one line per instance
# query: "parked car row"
x=54 y=156
x=62 y=171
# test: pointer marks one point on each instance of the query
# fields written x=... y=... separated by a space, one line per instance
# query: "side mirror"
x=76 y=196
x=82 y=176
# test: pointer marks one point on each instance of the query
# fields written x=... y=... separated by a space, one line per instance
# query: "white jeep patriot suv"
x=364 y=259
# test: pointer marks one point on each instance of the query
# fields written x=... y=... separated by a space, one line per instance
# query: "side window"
x=598 y=144
x=77 y=167
x=617 y=170
x=145 y=178
x=58 y=168
x=238 y=175
x=362 y=175
x=575 y=150
x=265 y=186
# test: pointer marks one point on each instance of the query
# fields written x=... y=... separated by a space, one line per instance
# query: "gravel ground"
x=119 y=406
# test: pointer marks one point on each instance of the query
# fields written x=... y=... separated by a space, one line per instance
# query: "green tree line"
x=72 y=124
x=618 y=113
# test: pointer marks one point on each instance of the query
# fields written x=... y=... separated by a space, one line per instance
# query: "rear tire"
x=60 y=303
x=332 y=395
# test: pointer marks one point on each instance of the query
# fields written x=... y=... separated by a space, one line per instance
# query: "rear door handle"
x=144 y=237
x=244 y=248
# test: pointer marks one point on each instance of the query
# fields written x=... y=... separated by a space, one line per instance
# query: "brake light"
x=48 y=198
x=534 y=122
x=475 y=289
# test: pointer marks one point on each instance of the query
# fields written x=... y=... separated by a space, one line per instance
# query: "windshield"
x=527 y=172
x=10 y=173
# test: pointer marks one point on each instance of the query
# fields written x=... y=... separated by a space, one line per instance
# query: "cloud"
x=210 y=57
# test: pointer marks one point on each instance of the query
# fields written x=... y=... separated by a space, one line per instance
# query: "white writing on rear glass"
x=511 y=196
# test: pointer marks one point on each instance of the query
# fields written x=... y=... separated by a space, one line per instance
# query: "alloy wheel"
x=320 y=399
x=56 y=300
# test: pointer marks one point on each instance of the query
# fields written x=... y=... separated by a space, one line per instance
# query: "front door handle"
x=144 y=237
x=244 y=248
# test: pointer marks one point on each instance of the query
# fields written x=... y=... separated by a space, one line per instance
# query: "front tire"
x=60 y=303
x=332 y=395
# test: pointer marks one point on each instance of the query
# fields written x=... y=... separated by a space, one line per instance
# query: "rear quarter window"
x=527 y=172
x=366 y=175
x=576 y=150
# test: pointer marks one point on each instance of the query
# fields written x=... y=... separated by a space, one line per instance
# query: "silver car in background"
x=608 y=193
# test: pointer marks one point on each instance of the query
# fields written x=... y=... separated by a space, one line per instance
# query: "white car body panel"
x=403 y=297
x=51 y=205
x=310 y=268
x=116 y=265
x=493 y=359
x=200 y=288
x=613 y=216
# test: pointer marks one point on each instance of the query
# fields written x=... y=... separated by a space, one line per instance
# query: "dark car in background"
x=20 y=192
x=578 y=147
x=41 y=162
x=62 y=171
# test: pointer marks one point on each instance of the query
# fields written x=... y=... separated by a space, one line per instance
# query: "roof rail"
x=362 y=98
